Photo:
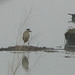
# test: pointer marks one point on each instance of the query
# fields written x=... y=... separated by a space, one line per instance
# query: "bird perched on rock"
x=73 y=17
x=26 y=35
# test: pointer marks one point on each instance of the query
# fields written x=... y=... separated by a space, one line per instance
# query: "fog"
x=48 y=21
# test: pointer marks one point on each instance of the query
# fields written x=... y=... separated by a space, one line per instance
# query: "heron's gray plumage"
x=26 y=35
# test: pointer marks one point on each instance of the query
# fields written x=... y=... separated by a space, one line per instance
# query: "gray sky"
x=48 y=22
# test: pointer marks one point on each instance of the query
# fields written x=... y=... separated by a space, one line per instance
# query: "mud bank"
x=25 y=48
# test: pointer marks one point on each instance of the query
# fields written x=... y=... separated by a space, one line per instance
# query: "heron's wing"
x=26 y=36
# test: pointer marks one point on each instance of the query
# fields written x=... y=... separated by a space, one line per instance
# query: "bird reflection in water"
x=25 y=63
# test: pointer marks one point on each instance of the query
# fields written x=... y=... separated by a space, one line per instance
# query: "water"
x=40 y=63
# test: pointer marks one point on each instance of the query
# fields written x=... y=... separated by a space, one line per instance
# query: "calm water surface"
x=40 y=63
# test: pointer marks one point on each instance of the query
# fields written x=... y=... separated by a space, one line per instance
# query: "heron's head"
x=29 y=30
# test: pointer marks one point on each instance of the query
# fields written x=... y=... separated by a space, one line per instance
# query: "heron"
x=26 y=35
x=73 y=17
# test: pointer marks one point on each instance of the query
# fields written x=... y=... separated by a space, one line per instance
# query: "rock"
x=70 y=39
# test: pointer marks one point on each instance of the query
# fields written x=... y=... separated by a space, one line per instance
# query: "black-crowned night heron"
x=26 y=35
x=73 y=17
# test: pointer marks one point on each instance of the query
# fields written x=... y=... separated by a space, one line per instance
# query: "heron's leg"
x=24 y=44
x=24 y=48
x=28 y=43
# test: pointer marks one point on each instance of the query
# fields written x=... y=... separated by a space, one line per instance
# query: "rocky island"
x=70 y=39
x=25 y=48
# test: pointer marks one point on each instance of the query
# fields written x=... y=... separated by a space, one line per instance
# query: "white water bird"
x=26 y=36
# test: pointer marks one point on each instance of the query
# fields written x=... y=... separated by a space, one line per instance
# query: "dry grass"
x=23 y=26
x=12 y=67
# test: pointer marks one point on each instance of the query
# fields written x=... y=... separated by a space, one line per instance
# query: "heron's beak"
x=30 y=31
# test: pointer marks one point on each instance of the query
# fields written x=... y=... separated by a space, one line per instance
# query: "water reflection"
x=67 y=54
x=27 y=59
x=25 y=62
x=38 y=63
x=70 y=53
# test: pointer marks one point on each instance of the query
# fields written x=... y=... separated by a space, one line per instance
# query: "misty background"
x=48 y=20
